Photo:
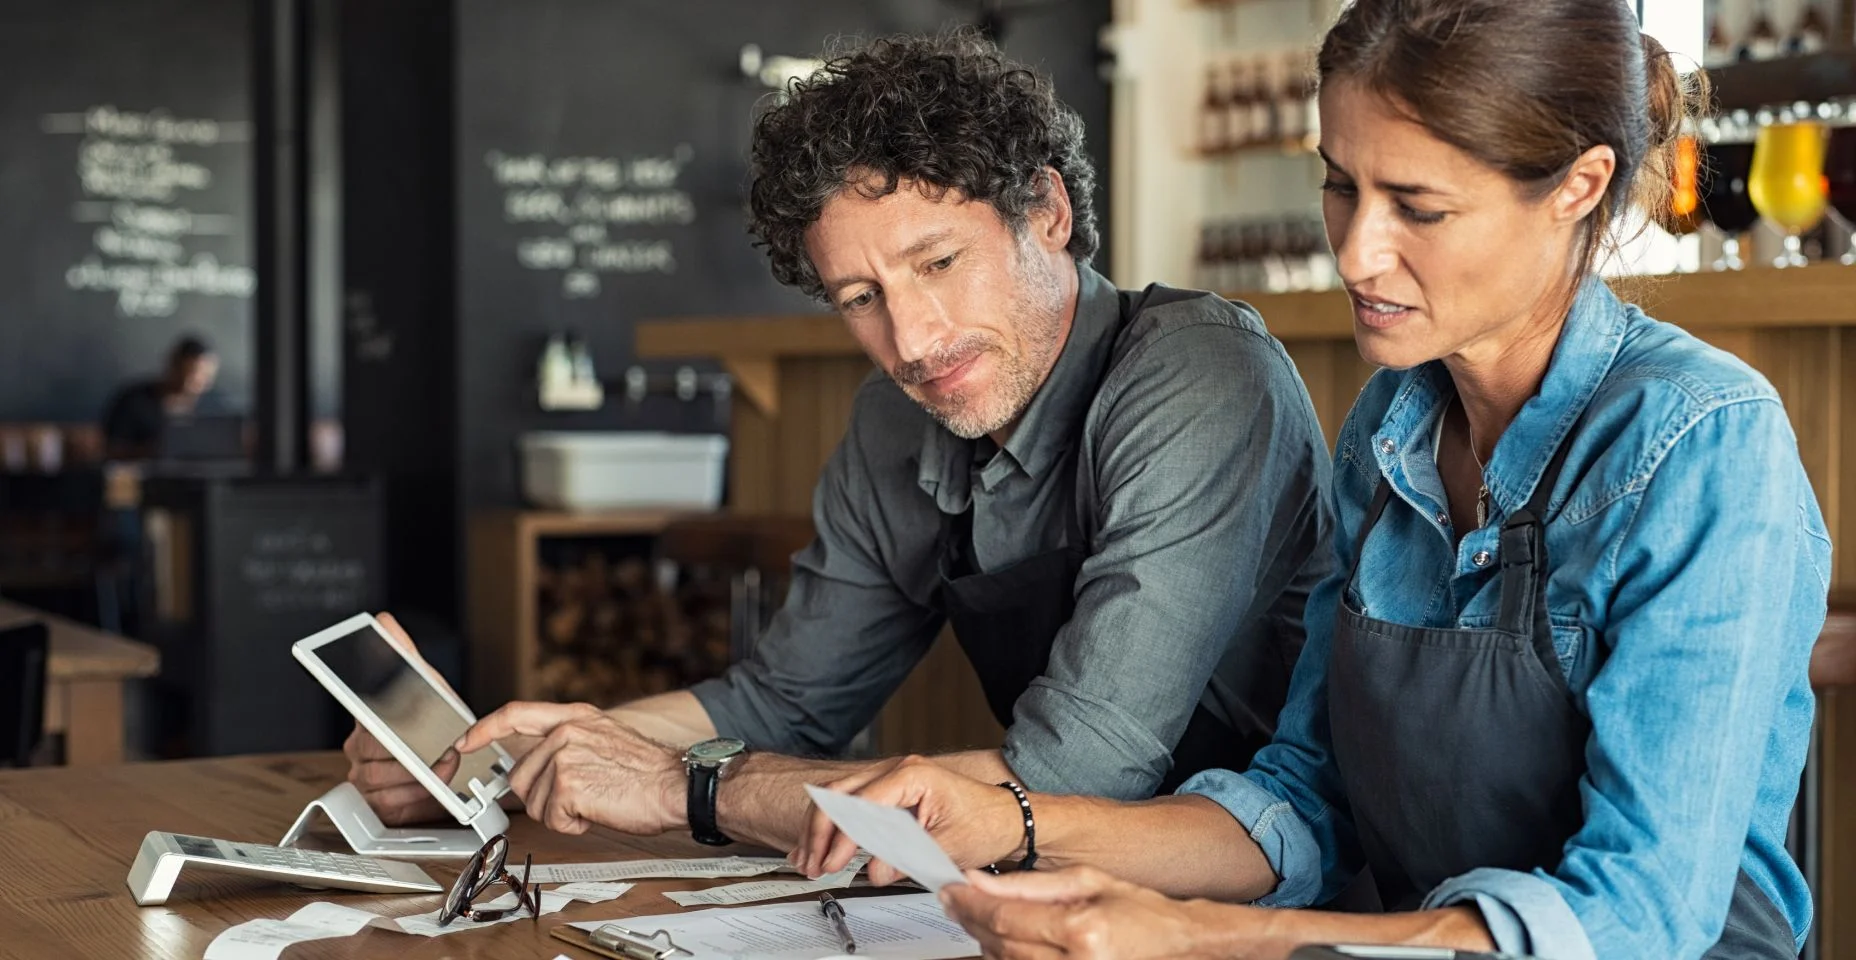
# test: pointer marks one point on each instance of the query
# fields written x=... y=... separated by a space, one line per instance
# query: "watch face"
x=716 y=750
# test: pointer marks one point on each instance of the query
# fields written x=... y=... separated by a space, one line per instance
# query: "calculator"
x=163 y=855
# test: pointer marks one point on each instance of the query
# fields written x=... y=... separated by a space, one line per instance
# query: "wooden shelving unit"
x=502 y=566
x=1813 y=77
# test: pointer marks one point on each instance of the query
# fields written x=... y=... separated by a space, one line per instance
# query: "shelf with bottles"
x=1742 y=31
x=1270 y=255
x=1257 y=103
x=1761 y=53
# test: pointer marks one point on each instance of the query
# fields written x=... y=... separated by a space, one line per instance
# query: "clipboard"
x=619 y=943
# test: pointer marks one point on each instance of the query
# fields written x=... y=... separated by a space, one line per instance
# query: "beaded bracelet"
x=1031 y=829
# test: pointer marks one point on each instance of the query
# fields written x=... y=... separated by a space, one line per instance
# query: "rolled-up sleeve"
x=845 y=639
x=1524 y=913
x=1210 y=475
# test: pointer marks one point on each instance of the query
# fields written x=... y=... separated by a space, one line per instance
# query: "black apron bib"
x=1007 y=620
x=1463 y=748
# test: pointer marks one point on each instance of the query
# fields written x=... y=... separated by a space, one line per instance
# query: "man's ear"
x=1050 y=216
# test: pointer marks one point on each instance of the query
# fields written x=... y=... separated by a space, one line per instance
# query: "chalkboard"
x=265 y=562
x=601 y=159
x=126 y=185
x=286 y=558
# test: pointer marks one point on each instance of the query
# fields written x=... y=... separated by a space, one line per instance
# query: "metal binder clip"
x=637 y=945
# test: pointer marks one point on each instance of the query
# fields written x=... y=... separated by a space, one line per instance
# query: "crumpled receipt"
x=266 y=939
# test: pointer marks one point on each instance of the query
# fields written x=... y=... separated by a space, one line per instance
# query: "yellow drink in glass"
x=1787 y=182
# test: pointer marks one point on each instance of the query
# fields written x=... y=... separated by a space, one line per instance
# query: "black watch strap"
x=704 y=780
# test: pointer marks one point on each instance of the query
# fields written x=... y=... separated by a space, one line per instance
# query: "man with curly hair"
x=1116 y=498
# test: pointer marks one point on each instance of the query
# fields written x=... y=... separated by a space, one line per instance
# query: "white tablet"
x=404 y=703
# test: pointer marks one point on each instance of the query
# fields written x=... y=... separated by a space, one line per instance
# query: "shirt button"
x=1386 y=445
x=1482 y=558
x=1443 y=519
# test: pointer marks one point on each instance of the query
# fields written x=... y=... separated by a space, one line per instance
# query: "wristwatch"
x=705 y=761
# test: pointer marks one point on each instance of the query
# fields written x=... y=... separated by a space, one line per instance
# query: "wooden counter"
x=72 y=833
x=85 y=671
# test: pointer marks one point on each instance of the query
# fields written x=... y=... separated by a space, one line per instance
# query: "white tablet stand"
x=348 y=810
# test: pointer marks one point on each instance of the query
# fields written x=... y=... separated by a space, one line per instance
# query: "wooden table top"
x=82 y=652
x=68 y=835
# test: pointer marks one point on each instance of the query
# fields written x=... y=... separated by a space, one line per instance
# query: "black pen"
x=830 y=907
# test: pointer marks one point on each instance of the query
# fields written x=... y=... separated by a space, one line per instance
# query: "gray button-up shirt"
x=1189 y=449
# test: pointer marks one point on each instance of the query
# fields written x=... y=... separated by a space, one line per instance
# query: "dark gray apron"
x=1463 y=748
x=1007 y=620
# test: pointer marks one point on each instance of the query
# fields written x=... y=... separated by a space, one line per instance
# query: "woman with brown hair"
x=1554 y=700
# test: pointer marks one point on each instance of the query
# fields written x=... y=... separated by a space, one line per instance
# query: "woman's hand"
x=1081 y=912
x=977 y=823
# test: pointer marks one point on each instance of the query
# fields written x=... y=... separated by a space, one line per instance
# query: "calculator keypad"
x=286 y=858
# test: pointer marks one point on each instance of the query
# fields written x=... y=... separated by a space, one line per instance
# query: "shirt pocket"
x=1569 y=636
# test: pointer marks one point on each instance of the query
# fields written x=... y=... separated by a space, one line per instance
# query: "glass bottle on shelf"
x=1231 y=267
x=1763 y=41
x=1272 y=256
x=1727 y=160
x=1237 y=107
x=1813 y=32
x=1311 y=106
x=1720 y=49
x=1322 y=271
x=1205 y=266
x=1291 y=117
x=1840 y=174
x=1211 y=112
x=1297 y=247
x=1265 y=92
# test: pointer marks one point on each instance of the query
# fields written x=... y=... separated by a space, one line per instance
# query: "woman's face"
x=1443 y=255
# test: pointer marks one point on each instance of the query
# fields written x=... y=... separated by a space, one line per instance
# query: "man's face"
x=196 y=375
x=965 y=314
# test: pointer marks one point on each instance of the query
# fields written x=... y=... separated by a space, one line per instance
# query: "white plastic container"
x=609 y=471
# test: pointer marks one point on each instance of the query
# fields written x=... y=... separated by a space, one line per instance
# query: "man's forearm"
x=676 y=718
x=763 y=800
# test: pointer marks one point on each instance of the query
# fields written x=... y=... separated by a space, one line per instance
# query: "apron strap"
x=1525 y=570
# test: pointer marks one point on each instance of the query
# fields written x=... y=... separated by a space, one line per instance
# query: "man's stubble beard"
x=1038 y=309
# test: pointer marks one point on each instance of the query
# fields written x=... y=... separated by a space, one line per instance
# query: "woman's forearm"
x=1253 y=934
x=1183 y=846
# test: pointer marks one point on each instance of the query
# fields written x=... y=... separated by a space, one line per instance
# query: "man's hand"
x=588 y=769
x=977 y=823
x=389 y=787
x=1081 y=912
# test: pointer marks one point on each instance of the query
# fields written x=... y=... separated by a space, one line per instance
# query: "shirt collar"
x=1587 y=347
x=1050 y=424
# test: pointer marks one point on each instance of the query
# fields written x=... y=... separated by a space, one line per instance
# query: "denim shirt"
x=1689 y=573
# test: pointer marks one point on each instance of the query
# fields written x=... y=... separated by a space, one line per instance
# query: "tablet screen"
x=401 y=696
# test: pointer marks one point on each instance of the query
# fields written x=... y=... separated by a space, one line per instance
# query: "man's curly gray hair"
x=946 y=112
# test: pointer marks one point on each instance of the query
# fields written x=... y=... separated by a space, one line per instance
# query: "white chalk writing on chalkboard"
x=135 y=169
x=299 y=568
x=570 y=205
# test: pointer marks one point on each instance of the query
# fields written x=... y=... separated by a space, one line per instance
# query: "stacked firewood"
x=618 y=628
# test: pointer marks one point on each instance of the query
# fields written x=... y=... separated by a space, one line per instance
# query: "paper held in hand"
x=890 y=834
